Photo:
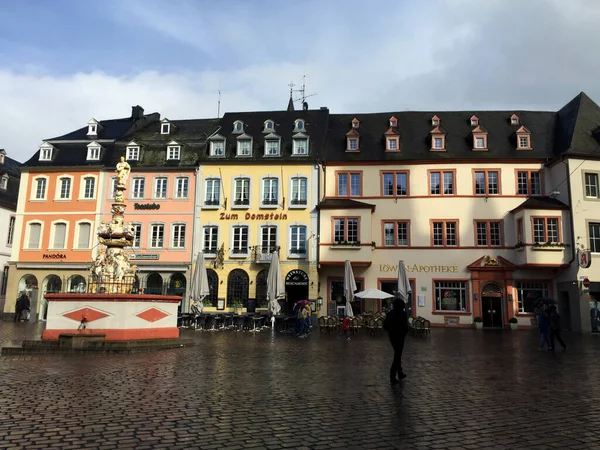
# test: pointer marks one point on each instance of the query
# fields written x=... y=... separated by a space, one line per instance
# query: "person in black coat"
x=396 y=324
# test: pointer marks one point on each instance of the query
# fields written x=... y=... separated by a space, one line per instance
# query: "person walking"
x=346 y=327
x=543 y=325
x=18 y=309
x=25 y=307
x=555 y=329
x=396 y=324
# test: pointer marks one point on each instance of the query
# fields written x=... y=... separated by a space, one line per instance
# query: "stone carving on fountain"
x=111 y=271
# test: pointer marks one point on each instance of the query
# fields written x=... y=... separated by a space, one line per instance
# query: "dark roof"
x=415 y=138
x=542 y=202
x=344 y=203
x=578 y=127
x=111 y=129
x=9 y=197
x=71 y=155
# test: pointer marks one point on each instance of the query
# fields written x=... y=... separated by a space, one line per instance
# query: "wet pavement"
x=466 y=390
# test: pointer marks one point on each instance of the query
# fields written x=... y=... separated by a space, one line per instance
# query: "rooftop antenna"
x=302 y=91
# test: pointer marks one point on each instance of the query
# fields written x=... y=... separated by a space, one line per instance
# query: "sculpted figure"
x=120 y=267
x=99 y=263
x=123 y=169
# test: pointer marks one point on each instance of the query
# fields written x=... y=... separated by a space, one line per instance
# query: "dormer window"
x=165 y=126
x=272 y=145
x=244 y=145
x=438 y=139
x=238 y=127
x=352 y=144
x=269 y=126
x=2 y=156
x=93 y=126
x=438 y=143
x=46 y=152
x=93 y=153
x=523 y=139
x=4 y=182
x=435 y=121
x=355 y=123
x=133 y=152
x=474 y=121
x=299 y=126
x=217 y=146
x=514 y=119
x=479 y=138
x=173 y=151
x=392 y=144
x=393 y=122
x=300 y=145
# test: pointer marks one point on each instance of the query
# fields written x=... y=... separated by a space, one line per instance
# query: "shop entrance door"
x=492 y=312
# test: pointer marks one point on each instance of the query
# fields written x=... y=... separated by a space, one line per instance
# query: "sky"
x=63 y=62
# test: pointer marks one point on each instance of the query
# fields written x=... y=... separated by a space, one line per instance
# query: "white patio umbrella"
x=349 y=287
x=404 y=287
x=275 y=287
x=374 y=294
x=200 y=288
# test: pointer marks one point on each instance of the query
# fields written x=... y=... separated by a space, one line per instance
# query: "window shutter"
x=34 y=235
x=60 y=230
x=84 y=235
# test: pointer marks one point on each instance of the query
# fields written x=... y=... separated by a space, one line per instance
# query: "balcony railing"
x=241 y=202
x=299 y=202
x=269 y=202
x=263 y=256
x=239 y=251
x=211 y=202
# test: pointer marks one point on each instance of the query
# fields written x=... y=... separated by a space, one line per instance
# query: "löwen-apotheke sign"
x=418 y=268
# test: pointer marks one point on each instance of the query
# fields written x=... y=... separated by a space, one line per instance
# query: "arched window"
x=237 y=288
x=177 y=284
x=154 y=284
x=261 y=289
x=53 y=284
x=76 y=284
x=213 y=287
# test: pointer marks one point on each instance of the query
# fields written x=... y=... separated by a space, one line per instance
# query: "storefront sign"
x=584 y=259
x=417 y=268
x=144 y=257
x=252 y=216
x=54 y=256
x=146 y=206
x=296 y=277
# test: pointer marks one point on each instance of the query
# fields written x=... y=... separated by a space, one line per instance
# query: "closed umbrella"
x=349 y=287
x=200 y=288
x=275 y=287
x=404 y=287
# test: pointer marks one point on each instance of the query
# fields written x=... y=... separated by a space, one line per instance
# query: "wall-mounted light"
x=319 y=300
x=475 y=297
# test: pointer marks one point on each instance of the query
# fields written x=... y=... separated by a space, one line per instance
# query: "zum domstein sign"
x=418 y=268
x=252 y=216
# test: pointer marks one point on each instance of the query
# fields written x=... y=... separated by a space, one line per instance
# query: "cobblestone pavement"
x=466 y=390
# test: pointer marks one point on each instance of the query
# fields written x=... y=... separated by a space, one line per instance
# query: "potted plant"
x=478 y=322
x=514 y=323
x=237 y=307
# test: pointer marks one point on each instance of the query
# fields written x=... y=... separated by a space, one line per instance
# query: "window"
x=137 y=235
x=89 y=187
x=4 y=280
x=242 y=192
x=392 y=144
x=112 y=187
x=35 y=232
x=450 y=295
x=84 y=233
x=272 y=147
x=65 y=188
x=244 y=147
x=395 y=234
x=435 y=121
x=40 y=188
x=438 y=143
x=60 y=235
x=520 y=235
x=480 y=142
x=395 y=184
x=11 y=230
x=346 y=230
x=298 y=244
x=336 y=292
x=46 y=152
x=157 y=236
x=529 y=182
x=238 y=283
x=268 y=126
x=441 y=183
x=594 y=229
x=514 y=119
x=238 y=126
x=300 y=146
x=298 y=125
x=213 y=190
x=268 y=239
x=528 y=293
x=299 y=191
x=93 y=153
x=352 y=144
x=133 y=153
x=240 y=240
x=178 y=236
x=474 y=122
x=181 y=187
x=349 y=184
x=487 y=182
x=545 y=229
x=211 y=239
x=160 y=188
x=445 y=234
x=393 y=122
x=217 y=148
x=270 y=191
x=165 y=128
x=488 y=233
x=523 y=141
x=173 y=152
x=138 y=188
x=4 y=181
x=591 y=185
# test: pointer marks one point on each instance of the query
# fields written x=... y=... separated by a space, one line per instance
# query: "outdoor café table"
x=238 y=322
x=255 y=319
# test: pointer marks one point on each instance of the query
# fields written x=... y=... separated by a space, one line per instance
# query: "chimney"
x=137 y=112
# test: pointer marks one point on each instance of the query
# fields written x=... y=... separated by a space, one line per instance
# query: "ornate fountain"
x=111 y=271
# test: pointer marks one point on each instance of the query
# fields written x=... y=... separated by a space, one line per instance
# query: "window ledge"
x=269 y=206
x=297 y=255
x=240 y=206
x=210 y=255
x=298 y=206
x=548 y=248
x=180 y=199
x=209 y=207
x=451 y=313
x=238 y=255
x=299 y=154
x=345 y=247
x=62 y=200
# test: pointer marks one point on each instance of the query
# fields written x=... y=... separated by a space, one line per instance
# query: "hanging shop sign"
x=252 y=216
x=54 y=256
x=296 y=277
x=418 y=268
x=584 y=259
x=144 y=257
x=146 y=206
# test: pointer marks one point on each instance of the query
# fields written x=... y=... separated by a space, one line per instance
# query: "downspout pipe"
x=572 y=219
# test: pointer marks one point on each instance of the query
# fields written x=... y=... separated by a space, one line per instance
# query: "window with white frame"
x=299 y=125
x=240 y=240
x=217 y=147
x=65 y=188
x=138 y=188
x=392 y=144
x=165 y=128
x=35 y=234
x=89 y=187
x=211 y=239
x=545 y=230
x=395 y=234
x=352 y=144
x=242 y=191
x=4 y=182
x=523 y=141
x=137 y=235
x=445 y=234
x=488 y=233
x=181 y=187
x=160 y=187
x=345 y=229
x=244 y=147
x=300 y=146
x=438 y=143
x=269 y=126
x=60 y=236
x=11 y=230
x=591 y=185
x=450 y=295
x=268 y=238
x=299 y=191
x=298 y=240
x=173 y=152
x=213 y=192
x=272 y=147
x=238 y=126
x=46 y=153
x=112 y=187
x=270 y=191
x=133 y=153
x=84 y=233
x=479 y=142
x=40 y=188
x=529 y=292
x=157 y=235
x=4 y=280
x=594 y=232
x=178 y=239
x=93 y=153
